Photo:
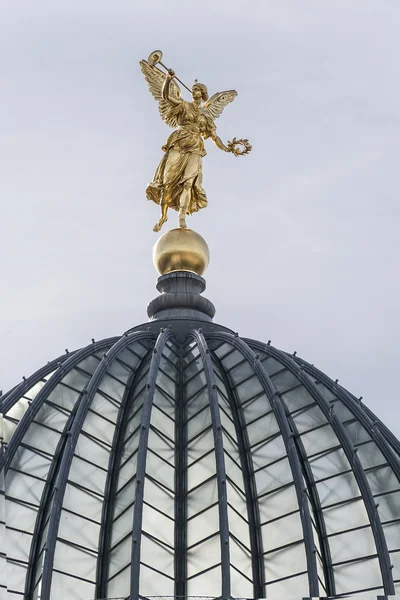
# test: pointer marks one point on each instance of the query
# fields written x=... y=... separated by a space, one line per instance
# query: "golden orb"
x=181 y=250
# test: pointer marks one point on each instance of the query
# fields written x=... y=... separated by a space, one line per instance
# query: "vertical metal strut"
x=249 y=483
x=112 y=482
x=389 y=436
x=351 y=454
x=44 y=503
x=365 y=420
x=68 y=454
x=180 y=486
x=220 y=463
x=141 y=461
x=10 y=398
x=291 y=450
x=48 y=387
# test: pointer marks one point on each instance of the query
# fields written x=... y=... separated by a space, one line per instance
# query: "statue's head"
x=199 y=91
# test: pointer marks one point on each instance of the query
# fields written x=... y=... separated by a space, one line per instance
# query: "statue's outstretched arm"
x=218 y=142
x=166 y=89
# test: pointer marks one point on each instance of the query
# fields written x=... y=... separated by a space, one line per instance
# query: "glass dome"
x=183 y=460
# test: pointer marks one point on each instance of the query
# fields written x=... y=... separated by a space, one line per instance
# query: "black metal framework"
x=220 y=464
x=249 y=482
x=294 y=461
x=352 y=456
x=112 y=480
x=212 y=467
x=46 y=390
x=141 y=464
x=84 y=405
x=180 y=485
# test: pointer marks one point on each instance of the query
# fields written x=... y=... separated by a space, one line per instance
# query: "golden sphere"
x=181 y=250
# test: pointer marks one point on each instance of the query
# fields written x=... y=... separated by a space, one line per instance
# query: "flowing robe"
x=182 y=160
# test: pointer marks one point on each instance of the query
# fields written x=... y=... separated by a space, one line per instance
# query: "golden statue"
x=177 y=181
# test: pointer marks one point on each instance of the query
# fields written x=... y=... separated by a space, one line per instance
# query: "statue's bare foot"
x=159 y=224
x=182 y=222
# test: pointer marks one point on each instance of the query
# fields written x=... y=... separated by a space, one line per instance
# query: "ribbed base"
x=180 y=298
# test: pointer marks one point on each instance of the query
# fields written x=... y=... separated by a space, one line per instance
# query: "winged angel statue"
x=177 y=181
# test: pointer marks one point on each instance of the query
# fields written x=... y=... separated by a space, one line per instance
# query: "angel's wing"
x=215 y=105
x=156 y=78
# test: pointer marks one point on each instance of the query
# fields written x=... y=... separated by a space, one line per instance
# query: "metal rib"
x=112 y=482
x=349 y=450
x=180 y=486
x=44 y=503
x=389 y=436
x=10 y=398
x=293 y=457
x=220 y=463
x=352 y=404
x=69 y=453
x=249 y=482
x=141 y=462
x=48 y=387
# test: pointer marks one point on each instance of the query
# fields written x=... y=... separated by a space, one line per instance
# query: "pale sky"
x=303 y=232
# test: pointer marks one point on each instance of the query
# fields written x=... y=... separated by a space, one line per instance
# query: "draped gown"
x=182 y=160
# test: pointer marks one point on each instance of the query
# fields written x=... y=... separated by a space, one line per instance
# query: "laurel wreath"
x=233 y=147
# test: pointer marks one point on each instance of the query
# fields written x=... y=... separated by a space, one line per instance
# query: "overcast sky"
x=303 y=232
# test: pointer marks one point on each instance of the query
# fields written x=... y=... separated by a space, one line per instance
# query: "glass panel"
x=359 y=575
x=319 y=440
x=195 y=384
x=241 y=371
x=202 y=497
x=278 y=503
x=239 y=527
x=392 y=534
x=78 y=530
x=284 y=381
x=274 y=476
x=157 y=555
x=122 y=525
x=296 y=399
x=207 y=584
x=351 y=545
x=75 y=561
x=262 y=429
x=255 y=408
x=270 y=364
x=203 y=525
x=64 y=586
x=338 y=489
x=119 y=585
x=388 y=506
x=201 y=470
x=158 y=525
x=309 y=418
x=285 y=562
x=192 y=369
x=200 y=445
x=204 y=555
x=370 y=455
x=346 y=516
x=268 y=452
x=241 y=559
x=382 y=480
x=281 y=532
x=249 y=388
x=120 y=556
x=295 y=587
x=329 y=464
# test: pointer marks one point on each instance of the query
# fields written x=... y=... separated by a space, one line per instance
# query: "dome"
x=181 y=459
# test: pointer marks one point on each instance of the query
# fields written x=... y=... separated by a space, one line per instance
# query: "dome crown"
x=209 y=465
